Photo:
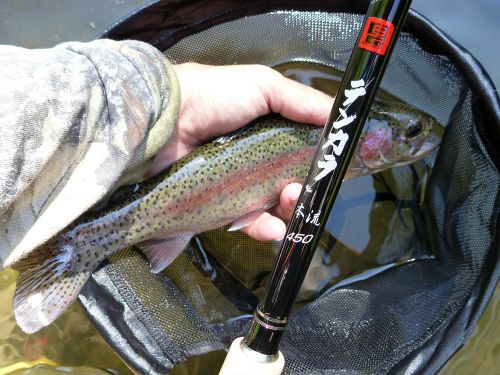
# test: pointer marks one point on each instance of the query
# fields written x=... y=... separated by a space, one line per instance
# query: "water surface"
x=72 y=341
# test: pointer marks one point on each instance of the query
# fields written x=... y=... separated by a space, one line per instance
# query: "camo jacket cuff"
x=75 y=120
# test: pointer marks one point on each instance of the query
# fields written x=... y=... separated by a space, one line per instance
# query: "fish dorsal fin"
x=45 y=287
x=234 y=134
x=162 y=252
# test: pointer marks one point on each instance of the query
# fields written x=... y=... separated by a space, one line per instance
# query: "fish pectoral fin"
x=45 y=287
x=162 y=252
x=244 y=221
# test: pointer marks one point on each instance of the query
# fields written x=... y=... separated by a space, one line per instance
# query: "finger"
x=266 y=228
x=296 y=101
x=288 y=200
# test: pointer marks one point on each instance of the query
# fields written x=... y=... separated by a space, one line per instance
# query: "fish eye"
x=414 y=129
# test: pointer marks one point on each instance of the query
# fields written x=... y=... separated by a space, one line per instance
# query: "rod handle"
x=241 y=360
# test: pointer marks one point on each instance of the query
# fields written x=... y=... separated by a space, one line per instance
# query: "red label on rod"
x=376 y=35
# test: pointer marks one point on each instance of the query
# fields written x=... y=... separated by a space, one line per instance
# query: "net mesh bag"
x=408 y=263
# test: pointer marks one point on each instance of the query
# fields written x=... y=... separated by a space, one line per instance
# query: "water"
x=369 y=212
x=481 y=354
x=72 y=342
x=472 y=24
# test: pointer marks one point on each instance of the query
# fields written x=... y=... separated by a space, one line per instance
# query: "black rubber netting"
x=404 y=297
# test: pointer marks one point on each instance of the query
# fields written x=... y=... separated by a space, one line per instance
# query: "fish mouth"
x=427 y=144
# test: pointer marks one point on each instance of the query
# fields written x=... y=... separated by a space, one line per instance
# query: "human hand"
x=216 y=100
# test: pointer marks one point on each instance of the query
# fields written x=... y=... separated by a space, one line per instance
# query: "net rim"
x=183 y=18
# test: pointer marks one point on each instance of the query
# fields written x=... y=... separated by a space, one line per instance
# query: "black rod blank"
x=357 y=90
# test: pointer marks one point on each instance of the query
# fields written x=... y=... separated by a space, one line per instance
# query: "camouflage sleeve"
x=75 y=119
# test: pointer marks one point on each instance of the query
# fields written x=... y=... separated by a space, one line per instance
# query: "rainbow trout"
x=217 y=184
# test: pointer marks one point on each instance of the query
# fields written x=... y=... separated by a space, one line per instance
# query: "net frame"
x=156 y=350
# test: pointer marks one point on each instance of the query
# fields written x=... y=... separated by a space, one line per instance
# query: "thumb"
x=296 y=101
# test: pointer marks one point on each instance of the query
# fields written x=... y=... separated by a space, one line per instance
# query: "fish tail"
x=46 y=286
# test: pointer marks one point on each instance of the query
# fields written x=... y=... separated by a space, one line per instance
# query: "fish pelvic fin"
x=46 y=287
x=162 y=252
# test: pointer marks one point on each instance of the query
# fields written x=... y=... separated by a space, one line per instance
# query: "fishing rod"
x=258 y=352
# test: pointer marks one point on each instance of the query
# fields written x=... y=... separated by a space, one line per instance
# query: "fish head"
x=393 y=138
